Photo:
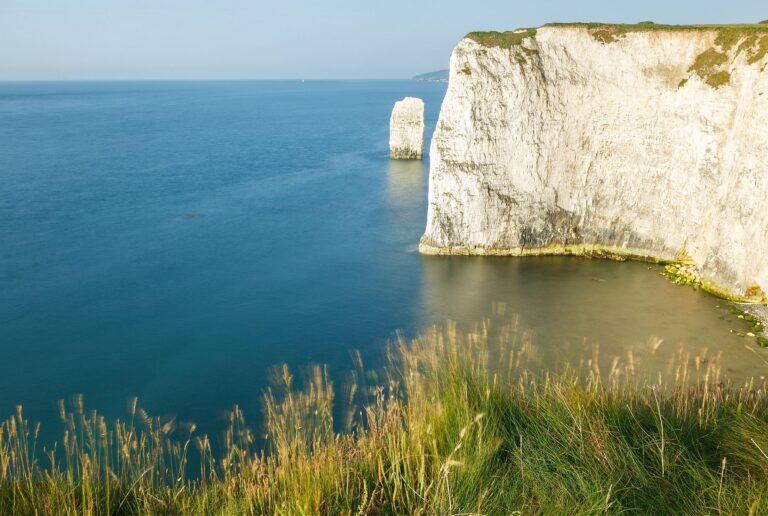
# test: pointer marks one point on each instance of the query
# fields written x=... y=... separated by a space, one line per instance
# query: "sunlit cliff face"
x=649 y=144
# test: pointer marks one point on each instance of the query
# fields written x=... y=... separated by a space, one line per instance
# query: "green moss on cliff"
x=708 y=66
x=731 y=42
x=707 y=61
x=530 y=51
x=682 y=274
x=718 y=79
x=755 y=47
x=605 y=36
x=722 y=292
x=523 y=53
x=507 y=39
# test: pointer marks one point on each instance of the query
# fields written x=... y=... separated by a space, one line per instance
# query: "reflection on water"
x=500 y=347
x=576 y=309
x=406 y=182
x=406 y=192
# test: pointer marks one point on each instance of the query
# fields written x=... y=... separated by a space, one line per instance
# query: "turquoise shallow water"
x=174 y=240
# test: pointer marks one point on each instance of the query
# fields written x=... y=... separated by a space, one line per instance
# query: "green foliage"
x=523 y=53
x=755 y=47
x=708 y=60
x=530 y=51
x=719 y=79
x=707 y=66
x=507 y=39
x=682 y=274
x=461 y=425
x=605 y=36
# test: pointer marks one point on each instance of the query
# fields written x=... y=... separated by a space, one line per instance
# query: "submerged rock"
x=611 y=141
x=406 y=129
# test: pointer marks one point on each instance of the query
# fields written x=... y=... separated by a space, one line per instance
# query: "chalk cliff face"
x=650 y=144
x=406 y=129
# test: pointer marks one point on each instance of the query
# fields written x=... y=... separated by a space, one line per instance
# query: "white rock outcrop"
x=406 y=129
x=648 y=144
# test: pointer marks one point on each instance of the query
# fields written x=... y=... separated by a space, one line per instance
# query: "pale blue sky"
x=262 y=39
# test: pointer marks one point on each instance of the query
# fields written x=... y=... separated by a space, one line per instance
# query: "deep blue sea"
x=174 y=240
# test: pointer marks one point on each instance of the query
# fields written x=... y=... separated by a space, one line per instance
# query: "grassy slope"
x=444 y=435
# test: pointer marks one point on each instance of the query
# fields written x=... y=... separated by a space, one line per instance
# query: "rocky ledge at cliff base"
x=406 y=129
x=615 y=141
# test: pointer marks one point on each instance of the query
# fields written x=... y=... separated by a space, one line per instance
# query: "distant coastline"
x=438 y=76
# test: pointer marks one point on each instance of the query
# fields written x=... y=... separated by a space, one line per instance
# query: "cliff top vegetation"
x=506 y=39
x=712 y=65
x=609 y=32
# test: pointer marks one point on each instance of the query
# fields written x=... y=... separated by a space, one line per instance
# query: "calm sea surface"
x=173 y=241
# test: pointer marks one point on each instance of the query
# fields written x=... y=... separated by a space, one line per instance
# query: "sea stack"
x=406 y=129
x=616 y=141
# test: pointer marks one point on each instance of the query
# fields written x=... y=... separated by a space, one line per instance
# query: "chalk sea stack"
x=622 y=141
x=406 y=129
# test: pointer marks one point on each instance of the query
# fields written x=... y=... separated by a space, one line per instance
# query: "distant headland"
x=438 y=76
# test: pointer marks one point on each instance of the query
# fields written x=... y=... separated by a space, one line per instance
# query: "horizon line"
x=217 y=79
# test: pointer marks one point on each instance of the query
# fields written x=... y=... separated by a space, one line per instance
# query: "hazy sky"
x=218 y=39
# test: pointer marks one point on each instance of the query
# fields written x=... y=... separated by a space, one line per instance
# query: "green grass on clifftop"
x=459 y=425
x=517 y=37
x=651 y=26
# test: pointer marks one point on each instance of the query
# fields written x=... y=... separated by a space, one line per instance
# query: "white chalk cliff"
x=648 y=143
x=406 y=129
